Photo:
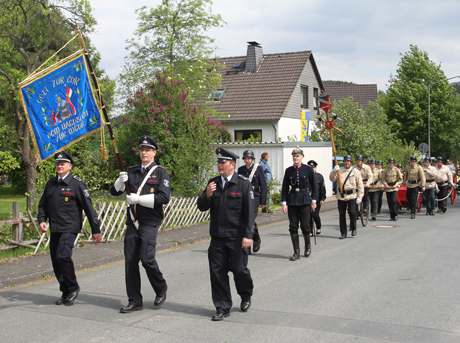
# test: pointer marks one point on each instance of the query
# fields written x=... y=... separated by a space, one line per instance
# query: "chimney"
x=254 y=56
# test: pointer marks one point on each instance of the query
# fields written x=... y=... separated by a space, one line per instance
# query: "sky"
x=352 y=40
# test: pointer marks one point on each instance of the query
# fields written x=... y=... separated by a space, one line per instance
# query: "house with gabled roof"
x=360 y=93
x=263 y=96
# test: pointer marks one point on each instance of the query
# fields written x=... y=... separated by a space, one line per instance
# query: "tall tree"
x=30 y=32
x=172 y=38
x=417 y=79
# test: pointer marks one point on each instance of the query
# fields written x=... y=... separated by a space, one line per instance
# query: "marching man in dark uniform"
x=415 y=180
x=255 y=174
x=64 y=198
x=315 y=219
x=350 y=192
x=147 y=188
x=230 y=199
x=299 y=194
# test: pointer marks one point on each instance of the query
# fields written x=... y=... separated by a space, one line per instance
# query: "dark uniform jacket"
x=157 y=183
x=298 y=187
x=259 y=182
x=62 y=204
x=319 y=181
x=232 y=208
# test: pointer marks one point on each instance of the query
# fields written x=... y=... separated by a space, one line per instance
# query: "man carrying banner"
x=444 y=180
x=255 y=174
x=147 y=188
x=64 y=198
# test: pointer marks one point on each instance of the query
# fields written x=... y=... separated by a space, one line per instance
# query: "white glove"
x=132 y=199
x=358 y=201
x=119 y=184
x=147 y=200
x=336 y=167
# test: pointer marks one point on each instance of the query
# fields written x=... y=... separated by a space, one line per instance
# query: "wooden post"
x=17 y=228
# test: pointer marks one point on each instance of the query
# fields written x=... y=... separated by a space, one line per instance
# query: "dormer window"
x=217 y=95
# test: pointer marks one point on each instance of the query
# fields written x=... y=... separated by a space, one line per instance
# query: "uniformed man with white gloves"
x=147 y=188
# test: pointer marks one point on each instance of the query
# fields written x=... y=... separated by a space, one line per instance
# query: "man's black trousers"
x=61 y=246
x=343 y=206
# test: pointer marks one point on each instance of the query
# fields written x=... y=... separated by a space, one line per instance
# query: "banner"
x=305 y=118
x=60 y=105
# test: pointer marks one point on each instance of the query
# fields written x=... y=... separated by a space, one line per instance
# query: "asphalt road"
x=389 y=284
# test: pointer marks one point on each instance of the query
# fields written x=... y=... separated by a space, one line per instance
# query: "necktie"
x=223 y=183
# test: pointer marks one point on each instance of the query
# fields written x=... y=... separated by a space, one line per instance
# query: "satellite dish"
x=423 y=148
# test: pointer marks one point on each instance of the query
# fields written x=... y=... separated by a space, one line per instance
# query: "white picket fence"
x=180 y=212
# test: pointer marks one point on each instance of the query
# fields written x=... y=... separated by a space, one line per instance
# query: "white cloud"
x=353 y=40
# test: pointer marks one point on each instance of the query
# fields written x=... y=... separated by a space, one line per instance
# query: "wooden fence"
x=180 y=212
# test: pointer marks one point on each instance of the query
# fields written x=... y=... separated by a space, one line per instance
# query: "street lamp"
x=429 y=110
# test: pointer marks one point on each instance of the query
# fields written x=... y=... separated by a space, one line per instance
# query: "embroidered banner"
x=60 y=105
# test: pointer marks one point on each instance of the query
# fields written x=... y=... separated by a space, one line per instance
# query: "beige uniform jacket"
x=444 y=176
x=391 y=179
x=376 y=184
x=353 y=188
x=366 y=174
x=415 y=177
x=430 y=177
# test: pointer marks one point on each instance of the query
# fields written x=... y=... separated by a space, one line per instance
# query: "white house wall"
x=288 y=129
x=280 y=156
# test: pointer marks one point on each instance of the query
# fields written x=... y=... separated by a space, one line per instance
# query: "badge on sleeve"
x=86 y=193
x=166 y=182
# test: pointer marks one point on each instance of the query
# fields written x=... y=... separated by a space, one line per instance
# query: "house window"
x=304 y=95
x=248 y=135
x=316 y=98
x=217 y=95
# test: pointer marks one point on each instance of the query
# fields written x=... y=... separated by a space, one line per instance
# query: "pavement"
x=394 y=282
x=31 y=268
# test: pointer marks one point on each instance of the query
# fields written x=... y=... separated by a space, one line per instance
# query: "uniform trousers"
x=225 y=255
x=315 y=219
x=351 y=207
x=392 y=204
x=300 y=215
x=374 y=201
x=429 y=199
x=256 y=236
x=366 y=199
x=140 y=245
x=412 y=196
x=443 y=191
x=61 y=247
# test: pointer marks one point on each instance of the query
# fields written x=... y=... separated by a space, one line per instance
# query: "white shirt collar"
x=63 y=177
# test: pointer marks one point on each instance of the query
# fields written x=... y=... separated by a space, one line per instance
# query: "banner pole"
x=101 y=101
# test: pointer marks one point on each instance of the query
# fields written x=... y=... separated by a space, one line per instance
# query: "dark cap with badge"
x=413 y=158
x=63 y=157
x=148 y=142
x=347 y=158
x=312 y=163
x=440 y=159
x=371 y=161
x=360 y=158
x=225 y=155
x=391 y=160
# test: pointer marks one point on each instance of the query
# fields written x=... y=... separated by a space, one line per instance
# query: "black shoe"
x=353 y=233
x=245 y=305
x=70 y=299
x=373 y=219
x=412 y=216
x=131 y=307
x=60 y=301
x=311 y=234
x=343 y=236
x=295 y=256
x=160 y=299
x=431 y=213
x=220 y=315
x=307 y=251
x=318 y=231
x=256 y=245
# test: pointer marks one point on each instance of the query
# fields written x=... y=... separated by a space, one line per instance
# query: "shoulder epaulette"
x=77 y=178
x=132 y=167
x=243 y=177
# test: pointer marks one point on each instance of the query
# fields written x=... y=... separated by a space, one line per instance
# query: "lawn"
x=7 y=197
